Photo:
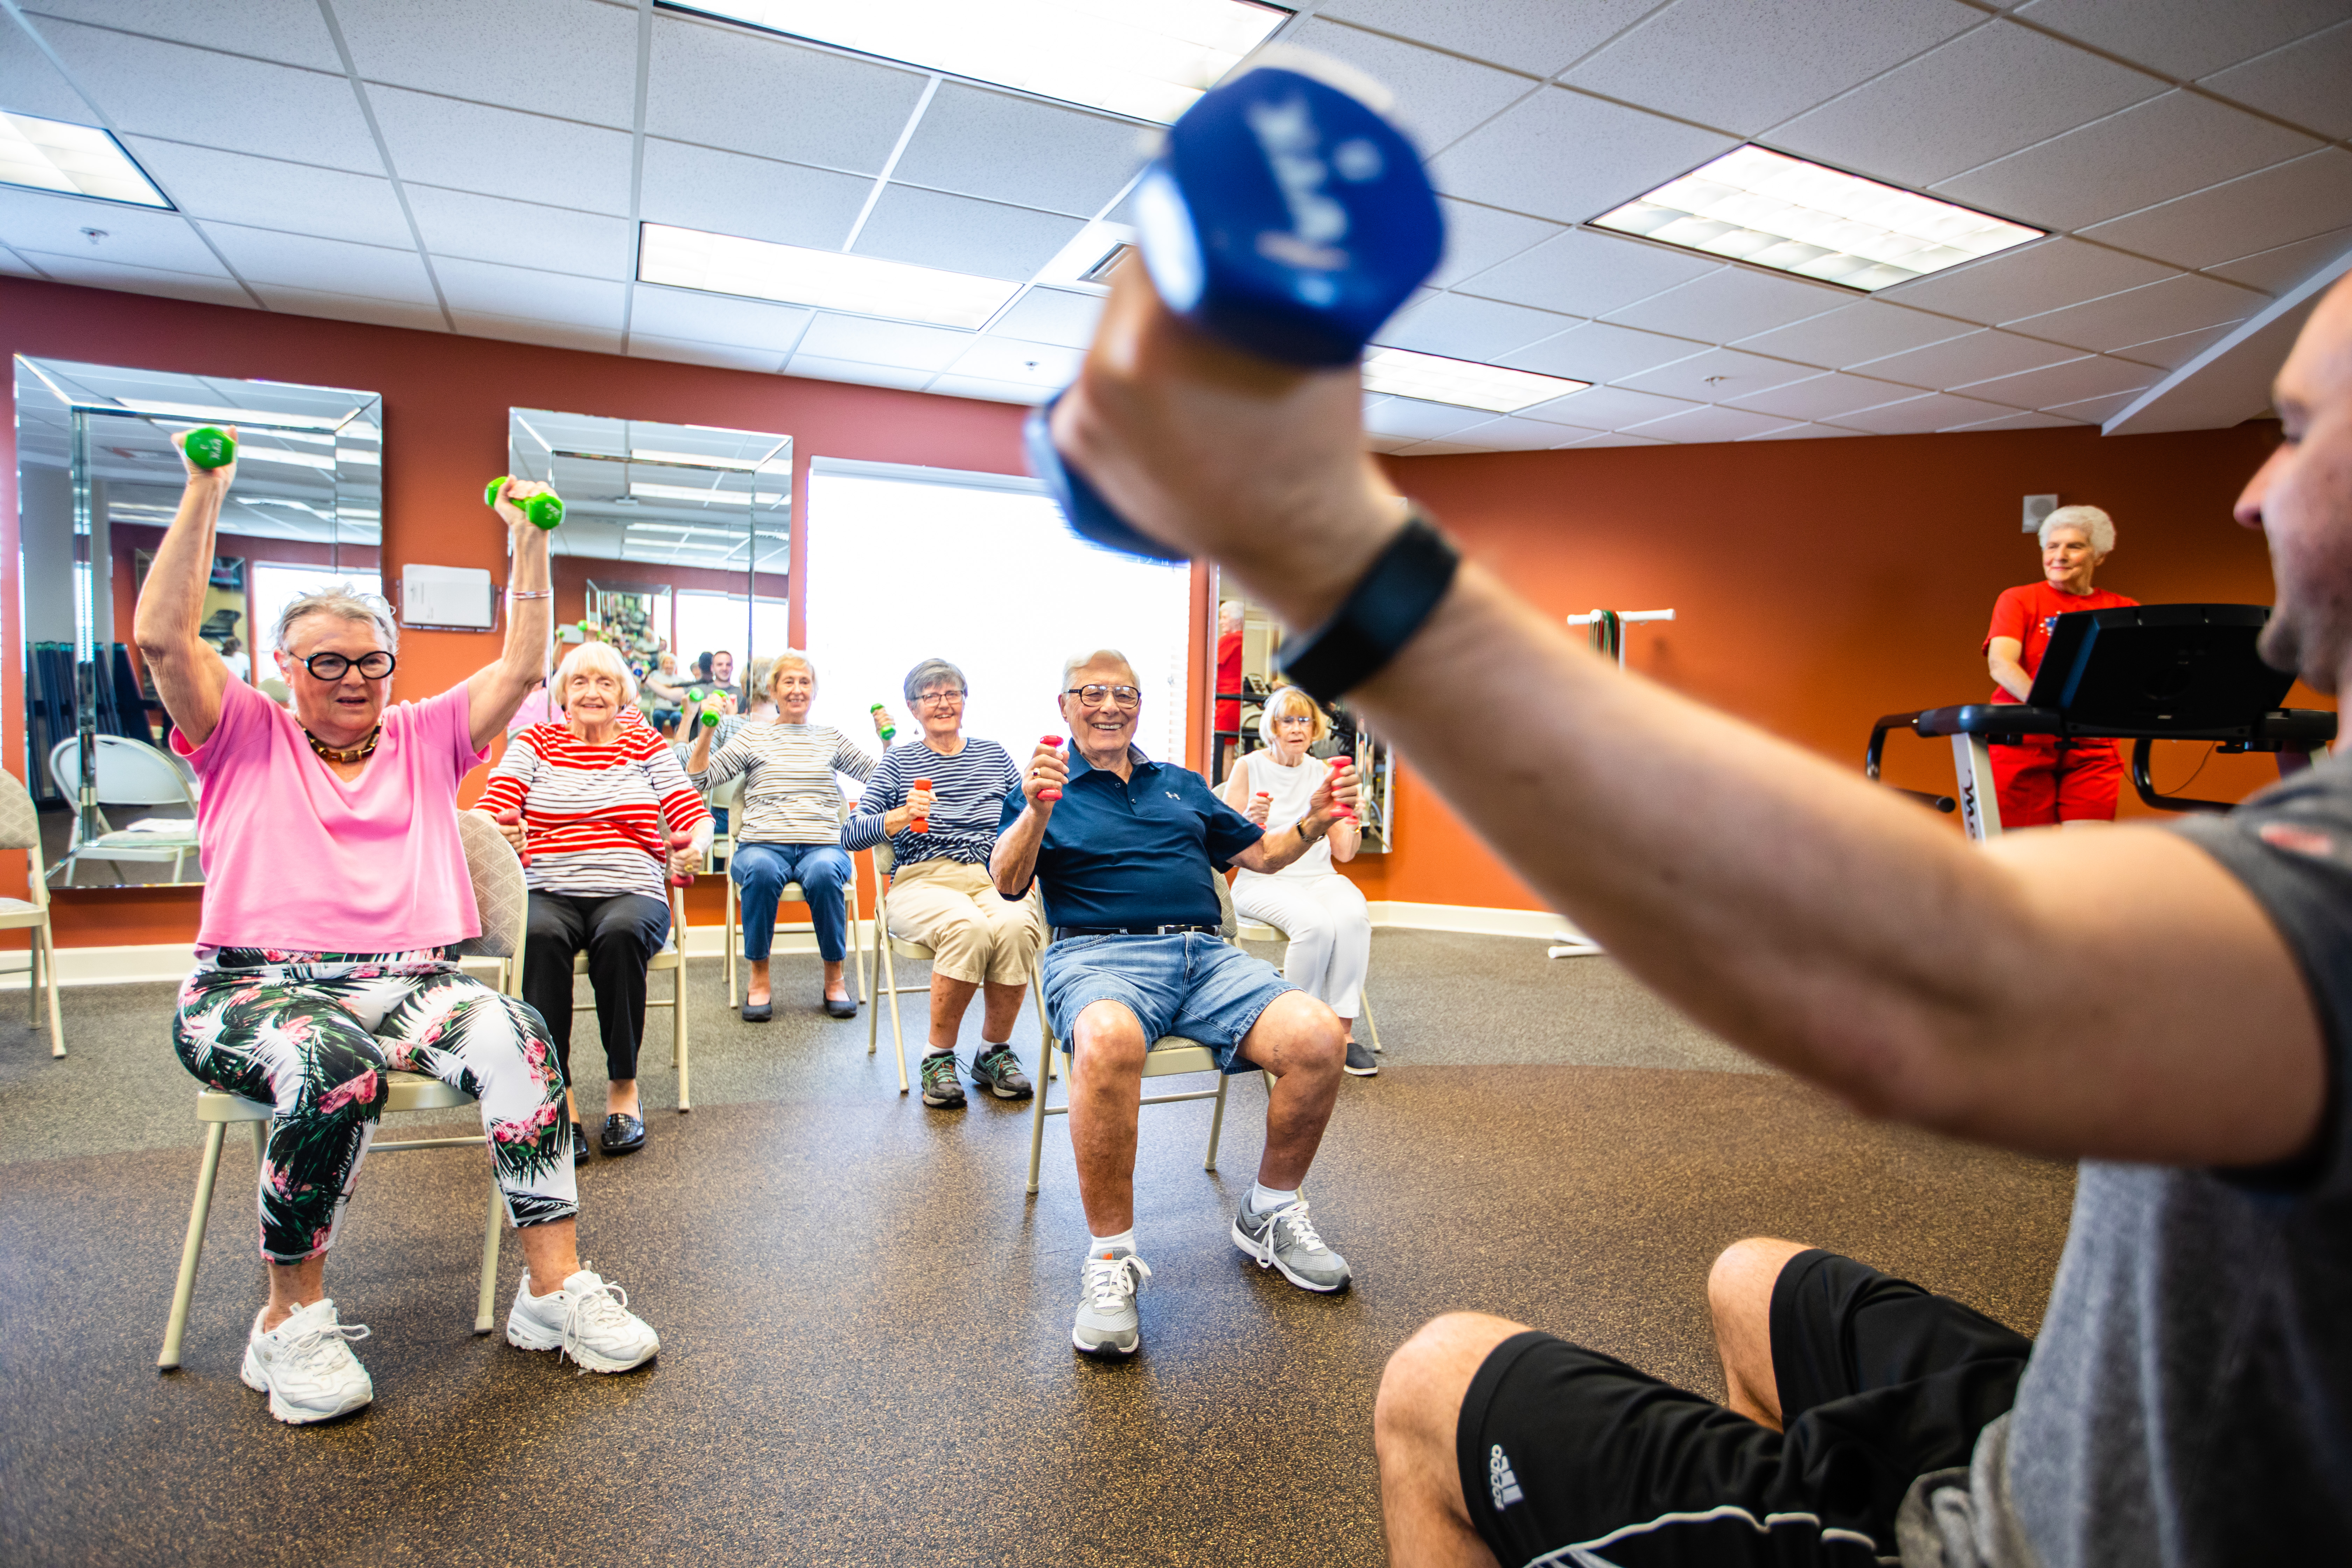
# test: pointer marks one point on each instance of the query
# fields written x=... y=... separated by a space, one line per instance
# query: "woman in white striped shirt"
x=791 y=829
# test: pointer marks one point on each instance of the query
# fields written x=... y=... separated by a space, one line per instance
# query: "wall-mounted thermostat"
x=2037 y=512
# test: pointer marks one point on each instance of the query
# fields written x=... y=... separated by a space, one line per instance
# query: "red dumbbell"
x=510 y=817
x=1055 y=741
x=921 y=822
x=678 y=841
x=1339 y=808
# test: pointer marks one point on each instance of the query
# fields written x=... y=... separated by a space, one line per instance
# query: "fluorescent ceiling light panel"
x=201 y=413
x=647 y=491
x=1147 y=60
x=828 y=279
x=82 y=160
x=694 y=460
x=1776 y=211
x=1465 y=383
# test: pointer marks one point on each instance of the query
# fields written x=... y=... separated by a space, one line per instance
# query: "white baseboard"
x=1470 y=917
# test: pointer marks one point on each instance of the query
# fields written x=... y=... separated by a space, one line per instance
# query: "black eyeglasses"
x=1095 y=696
x=373 y=666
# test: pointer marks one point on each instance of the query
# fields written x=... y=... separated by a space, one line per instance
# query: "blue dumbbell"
x=1285 y=214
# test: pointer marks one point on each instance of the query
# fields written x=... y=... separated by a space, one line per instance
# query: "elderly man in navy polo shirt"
x=1127 y=849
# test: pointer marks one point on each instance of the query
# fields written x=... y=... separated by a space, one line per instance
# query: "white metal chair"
x=20 y=828
x=887 y=943
x=672 y=958
x=129 y=773
x=793 y=894
x=504 y=906
x=1262 y=931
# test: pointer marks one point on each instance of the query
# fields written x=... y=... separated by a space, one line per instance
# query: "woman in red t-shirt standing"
x=2046 y=780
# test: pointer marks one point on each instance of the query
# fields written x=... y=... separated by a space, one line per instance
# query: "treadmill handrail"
x=1878 y=734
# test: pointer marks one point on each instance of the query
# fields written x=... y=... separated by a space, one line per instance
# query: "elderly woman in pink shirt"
x=335 y=886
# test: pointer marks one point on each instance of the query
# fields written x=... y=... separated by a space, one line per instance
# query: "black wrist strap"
x=1379 y=616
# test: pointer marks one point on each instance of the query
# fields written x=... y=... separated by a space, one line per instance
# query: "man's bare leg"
x=1303 y=1043
x=1413 y=1422
x=1106 y=1095
x=1739 y=1297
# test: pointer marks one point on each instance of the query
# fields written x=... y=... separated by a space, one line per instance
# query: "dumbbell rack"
x=1607 y=629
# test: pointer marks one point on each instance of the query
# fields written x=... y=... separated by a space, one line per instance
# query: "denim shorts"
x=1189 y=984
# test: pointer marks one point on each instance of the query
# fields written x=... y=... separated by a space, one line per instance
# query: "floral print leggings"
x=312 y=1034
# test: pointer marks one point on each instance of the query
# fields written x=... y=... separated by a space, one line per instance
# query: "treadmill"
x=2142 y=673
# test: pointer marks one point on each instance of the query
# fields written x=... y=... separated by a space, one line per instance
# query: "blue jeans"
x=823 y=870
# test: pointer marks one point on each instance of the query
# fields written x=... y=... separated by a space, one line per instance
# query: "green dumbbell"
x=545 y=510
x=714 y=708
x=210 y=446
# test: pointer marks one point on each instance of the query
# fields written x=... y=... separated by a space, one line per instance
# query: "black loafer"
x=623 y=1135
x=579 y=1144
x=759 y=1011
x=840 y=1007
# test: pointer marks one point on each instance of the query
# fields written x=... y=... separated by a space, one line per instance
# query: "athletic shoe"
x=995 y=1070
x=1286 y=1239
x=1359 y=1062
x=306 y=1366
x=1107 y=1324
x=587 y=1320
x=939 y=1085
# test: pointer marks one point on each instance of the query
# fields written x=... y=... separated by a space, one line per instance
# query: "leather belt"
x=1062 y=933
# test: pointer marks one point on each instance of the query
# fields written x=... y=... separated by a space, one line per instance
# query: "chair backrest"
x=886 y=859
x=275 y=689
x=20 y=825
x=1227 y=921
x=129 y=773
x=499 y=893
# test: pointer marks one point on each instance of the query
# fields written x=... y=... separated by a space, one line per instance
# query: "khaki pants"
x=955 y=911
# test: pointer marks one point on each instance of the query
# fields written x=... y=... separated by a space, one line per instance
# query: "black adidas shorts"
x=1564 y=1448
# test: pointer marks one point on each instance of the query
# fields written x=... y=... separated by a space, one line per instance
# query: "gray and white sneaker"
x=1107 y=1324
x=995 y=1070
x=306 y=1366
x=587 y=1318
x=939 y=1085
x=1284 y=1238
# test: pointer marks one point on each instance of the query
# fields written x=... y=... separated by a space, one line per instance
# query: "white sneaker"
x=587 y=1320
x=306 y=1366
x=1107 y=1322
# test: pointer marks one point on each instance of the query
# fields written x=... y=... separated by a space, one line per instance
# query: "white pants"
x=1330 y=932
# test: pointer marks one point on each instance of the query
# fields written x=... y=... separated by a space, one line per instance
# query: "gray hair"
x=790 y=655
x=2088 y=520
x=1077 y=661
x=929 y=673
x=587 y=656
x=343 y=601
x=1280 y=702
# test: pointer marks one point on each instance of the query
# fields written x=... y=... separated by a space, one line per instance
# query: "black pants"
x=621 y=933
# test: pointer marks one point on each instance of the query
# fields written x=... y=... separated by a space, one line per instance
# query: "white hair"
x=933 y=672
x=343 y=601
x=1078 y=661
x=589 y=656
x=2087 y=520
x=1284 y=699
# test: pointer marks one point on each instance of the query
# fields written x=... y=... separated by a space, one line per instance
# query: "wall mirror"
x=97 y=481
x=676 y=543
x=1241 y=674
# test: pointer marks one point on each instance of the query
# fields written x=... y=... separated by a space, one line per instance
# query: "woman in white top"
x=1328 y=924
x=790 y=830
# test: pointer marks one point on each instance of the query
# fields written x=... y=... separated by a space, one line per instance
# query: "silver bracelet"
x=534 y=593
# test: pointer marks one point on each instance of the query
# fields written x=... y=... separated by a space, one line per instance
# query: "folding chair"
x=793 y=894
x=672 y=958
x=504 y=906
x=887 y=989
x=20 y=828
x=129 y=773
x=1263 y=930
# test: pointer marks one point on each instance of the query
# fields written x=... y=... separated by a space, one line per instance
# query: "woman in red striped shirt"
x=600 y=794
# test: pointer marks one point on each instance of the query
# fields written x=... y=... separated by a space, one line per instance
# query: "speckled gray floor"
x=864 y=1321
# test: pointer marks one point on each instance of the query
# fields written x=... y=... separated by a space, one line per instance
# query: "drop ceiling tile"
x=134 y=236
x=545 y=333
x=95 y=272
x=1541 y=37
x=1565 y=156
x=1443 y=449
x=266 y=256
x=1804 y=433
x=338 y=307
x=487 y=288
x=1460 y=327
x=1605 y=408
x=2150 y=152
x=1438 y=96
x=974 y=142
x=2026 y=281
x=29 y=84
x=961 y=234
x=2276 y=206
x=754 y=198
x=154 y=88
x=2279 y=269
x=735 y=89
x=1618 y=440
x=265 y=193
x=1599 y=351
x=818 y=368
x=290 y=31
x=1009 y=359
x=1824 y=397
x=2030 y=420
x=901 y=344
x=1983 y=95
x=2181 y=303
x=1971 y=358
x=686 y=314
x=2171 y=353
x=1585 y=272
x=2303 y=83
x=15 y=266
x=721 y=356
x=1732 y=302
x=1479 y=238
x=1053 y=316
x=1423 y=421
x=1917 y=415
x=988 y=390
x=1699 y=424
x=2184 y=38
x=1390 y=445
x=1866 y=330
x=523 y=234
x=1719 y=376
x=502 y=152
x=2096 y=410
x=1699 y=60
x=1507 y=435
x=552 y=57
x=2097 y=376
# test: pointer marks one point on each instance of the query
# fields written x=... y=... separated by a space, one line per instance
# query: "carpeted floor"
x=864 y=1321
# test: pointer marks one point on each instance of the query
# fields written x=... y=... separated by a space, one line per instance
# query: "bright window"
x=274 y=586
x=986 y=575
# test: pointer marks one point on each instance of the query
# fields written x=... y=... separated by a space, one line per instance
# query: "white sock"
x=930 y=1051
x=1264 y=1199
x=1111 y=1246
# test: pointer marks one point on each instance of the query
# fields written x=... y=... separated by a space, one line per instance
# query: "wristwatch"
x=1381 y=613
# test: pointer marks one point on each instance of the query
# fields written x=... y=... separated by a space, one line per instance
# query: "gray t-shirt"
x=2189 y=1399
